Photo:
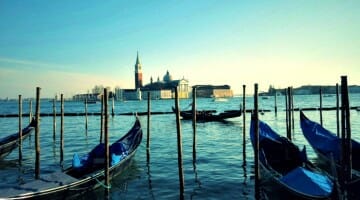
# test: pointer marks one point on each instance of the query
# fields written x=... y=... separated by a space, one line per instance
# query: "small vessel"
x=86 y=174
x=286 y=169
x=9 y=143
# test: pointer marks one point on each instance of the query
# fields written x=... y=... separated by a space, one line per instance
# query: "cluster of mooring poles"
x=346 y=147
x=104 y=128
x=344 y=133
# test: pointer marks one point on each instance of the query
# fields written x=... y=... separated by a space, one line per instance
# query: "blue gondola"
x=283 y=163
x=86 y=175
x=328 y=148
x=326 y=143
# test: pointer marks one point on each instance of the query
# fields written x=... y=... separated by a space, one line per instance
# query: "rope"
x=102 y=184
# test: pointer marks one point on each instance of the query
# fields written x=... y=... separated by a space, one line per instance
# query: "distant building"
x=211 y=91
x=138 y=73
x=91 y=97
x=165 y=89
x=119 y=94
x=83 y=97
x=133 y=94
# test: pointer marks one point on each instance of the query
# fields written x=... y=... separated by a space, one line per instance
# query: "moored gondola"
x=328 y=148
x=86 y=174
x=282 y=163
x=9 y=143
x=209 y=115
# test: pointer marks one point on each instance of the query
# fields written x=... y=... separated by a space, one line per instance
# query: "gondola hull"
x=56 y=189
x=9 y=143
x=327 y=146
x=285 y=168
x=207 y=116
x=73 y=182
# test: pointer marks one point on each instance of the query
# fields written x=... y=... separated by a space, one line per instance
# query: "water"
x=217 y=173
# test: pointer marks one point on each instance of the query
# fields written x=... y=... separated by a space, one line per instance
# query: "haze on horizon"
x=71 y=46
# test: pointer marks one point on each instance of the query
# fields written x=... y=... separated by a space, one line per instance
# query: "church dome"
x=167 y=77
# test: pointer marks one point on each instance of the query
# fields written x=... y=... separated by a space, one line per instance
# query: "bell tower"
x=138 y=73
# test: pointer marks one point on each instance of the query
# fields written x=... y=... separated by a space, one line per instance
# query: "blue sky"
x=70 y=46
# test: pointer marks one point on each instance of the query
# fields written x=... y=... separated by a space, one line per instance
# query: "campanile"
x=138 y=73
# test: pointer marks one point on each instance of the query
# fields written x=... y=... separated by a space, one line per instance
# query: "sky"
x=70 y=46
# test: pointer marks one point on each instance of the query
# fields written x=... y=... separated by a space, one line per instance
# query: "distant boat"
x=90 y=101
x=219 y=99
x=209 y=115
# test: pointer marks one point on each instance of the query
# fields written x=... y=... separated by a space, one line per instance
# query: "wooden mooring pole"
x=148 y=128
x=244 y=125
x=275 y=107
x=102 y=118
x=106 y=134
x=256 y=138
x=30 y=110
x=286 y=112
x=321 y=107
x=337 y=111
x=20 y=129
x=37 y=134
x=113 y=107
x=179 y=145
x=54 y=119
x=292 y=110
x=345 y=133
x=86 y=116
x=62 y=131
x=194 y=122
x=289 y=120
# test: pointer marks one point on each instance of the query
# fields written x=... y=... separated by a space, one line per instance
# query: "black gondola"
x=78 y=180
x=9 y=143
x=209 y=115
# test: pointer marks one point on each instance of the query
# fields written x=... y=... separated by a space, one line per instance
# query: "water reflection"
x=197 y=182
x=149 y=180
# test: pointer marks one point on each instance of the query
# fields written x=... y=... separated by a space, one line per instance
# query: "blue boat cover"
x=308 y=182
x=117 y=151
x=327 y=142
x=279 y=154
x=321 y=139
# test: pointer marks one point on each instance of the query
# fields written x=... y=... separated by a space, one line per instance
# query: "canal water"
x=217 y=173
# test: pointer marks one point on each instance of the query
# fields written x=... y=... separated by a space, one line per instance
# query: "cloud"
x=28 y=63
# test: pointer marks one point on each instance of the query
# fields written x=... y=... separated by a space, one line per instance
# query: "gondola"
x=281 y=162
x=328 y=148
x=9 y=143
x=86 y=174
x=325 y=143
x=209 y=115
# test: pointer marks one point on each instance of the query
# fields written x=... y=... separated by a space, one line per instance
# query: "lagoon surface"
x=216 y=173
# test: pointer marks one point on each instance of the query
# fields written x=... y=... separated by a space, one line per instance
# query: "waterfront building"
x=88 y=97
x=118 y=94
x=211 y=91
x=165 y=89
x=131 y=94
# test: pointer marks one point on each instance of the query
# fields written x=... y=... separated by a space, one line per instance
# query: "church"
x=160 y=89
